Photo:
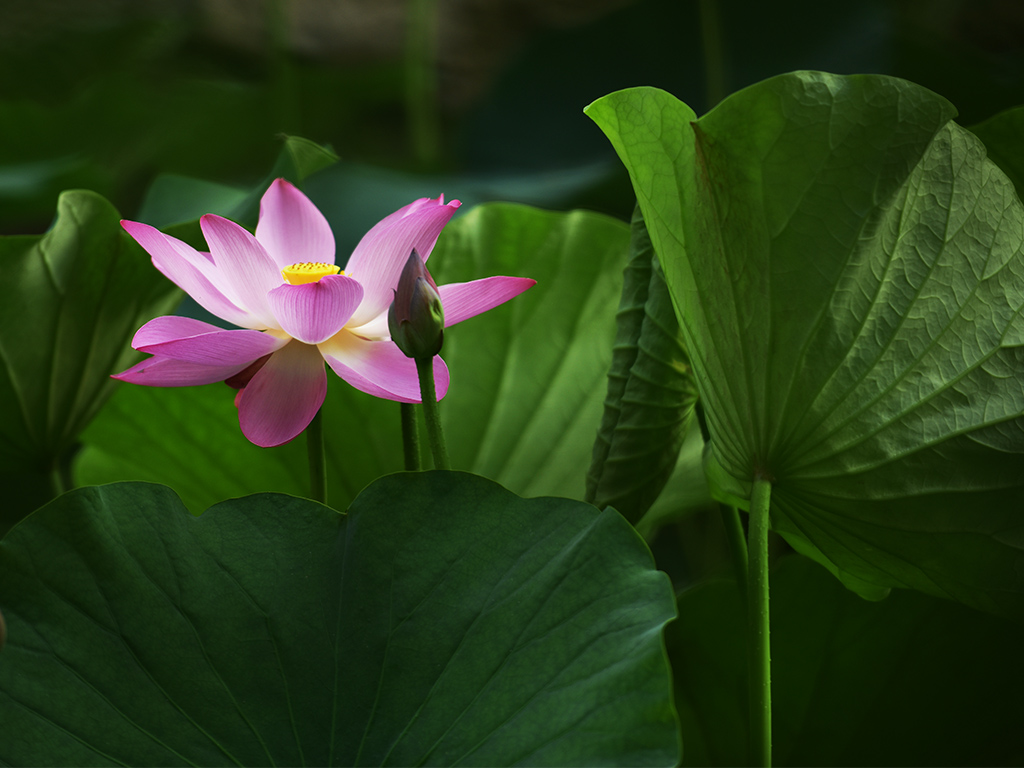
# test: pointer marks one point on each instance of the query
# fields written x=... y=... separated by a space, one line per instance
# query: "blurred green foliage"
x=108 y=96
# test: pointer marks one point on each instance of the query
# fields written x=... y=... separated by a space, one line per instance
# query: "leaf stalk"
x=317 y=458
x=758 y=643
x=410 y=438
x=737 y=545
x=435 y=435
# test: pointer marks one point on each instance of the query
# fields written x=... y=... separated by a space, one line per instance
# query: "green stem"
x=282 y=75
x=758 y=646
x=425 y=369
x=421 y=81
x=317 y=458
x=410 y=438
x=737 y=544
x=57 y=484
x=711 y=40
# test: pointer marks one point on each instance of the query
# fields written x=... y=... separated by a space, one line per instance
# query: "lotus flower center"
x=308 y=272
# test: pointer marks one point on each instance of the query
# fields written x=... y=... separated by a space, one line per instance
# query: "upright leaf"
x=70 y=301
x=651 y=392
x=442 y=621
x=848 y=271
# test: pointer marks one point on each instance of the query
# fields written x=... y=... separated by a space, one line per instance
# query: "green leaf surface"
x=189 y=438
x=527 y=381
x=687 y=489
x=442 y=621
x=847 y=268
x=911 y=680
x=528 y=377
x=651 y=392
x=70 y=301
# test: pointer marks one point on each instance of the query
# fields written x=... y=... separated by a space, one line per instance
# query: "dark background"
x=106 y=95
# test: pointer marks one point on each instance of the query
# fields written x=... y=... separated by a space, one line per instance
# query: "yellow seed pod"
x=308 y=272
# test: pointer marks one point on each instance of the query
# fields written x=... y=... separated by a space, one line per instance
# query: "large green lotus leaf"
x=651 y=392
x=527 y=381
x=441 y=621
x=847 y=268
x=70 y=301
x=912 y=680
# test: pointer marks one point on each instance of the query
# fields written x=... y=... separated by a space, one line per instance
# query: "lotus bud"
x=416 y=317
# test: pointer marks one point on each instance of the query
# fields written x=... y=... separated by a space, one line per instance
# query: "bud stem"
x=410 y=438
x=317 y=458
x=425 y=369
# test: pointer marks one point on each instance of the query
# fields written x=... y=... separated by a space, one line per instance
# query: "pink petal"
x=169 y=328
x=378 y=259
x=380 y=368
x=248 y=273
x=314 y=312
x=193 y=341
x=291 y=228
x=190 y=270
x=375 y=330
x=164 y=372
x=284 y=396
x=462 y=301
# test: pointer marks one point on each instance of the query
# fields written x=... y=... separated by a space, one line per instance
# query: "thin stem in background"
x=57 y=483
x=282 y=73
x=410 y=438
x=425 y=369
x=421 y=81
x=714 y=57
x=758 y=644
x=317 y=458
x=737 y=544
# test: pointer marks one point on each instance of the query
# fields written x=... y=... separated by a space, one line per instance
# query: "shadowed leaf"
x=651 y=392
x=70 y=301
x=441 y=621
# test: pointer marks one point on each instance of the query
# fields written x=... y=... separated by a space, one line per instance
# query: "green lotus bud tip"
x=416 y=317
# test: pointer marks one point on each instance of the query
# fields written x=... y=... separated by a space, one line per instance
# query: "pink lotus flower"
x=295 y=310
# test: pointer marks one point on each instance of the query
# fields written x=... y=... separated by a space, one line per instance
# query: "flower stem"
x=425 y=369
x=57 y=484
x=737 y=544
x=317 y=458
x=282 y=72
x=714 y=57
x=421 y=80
x=410 y=438
x=758 y=645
